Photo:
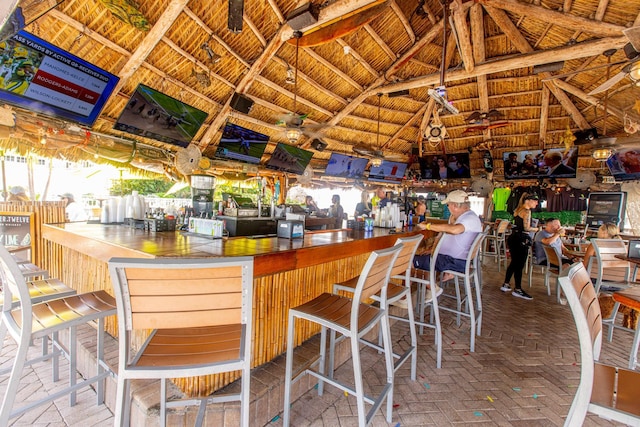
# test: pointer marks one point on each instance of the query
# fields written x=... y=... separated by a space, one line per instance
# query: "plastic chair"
x=395 y=292
x=471 y=310
x=607 y=391
x=199 y=311
x=353 y=318
x=554 y=266
x=498 y=239
x=29 y=321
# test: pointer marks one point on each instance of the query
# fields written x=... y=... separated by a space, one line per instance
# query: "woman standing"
x=519 y=242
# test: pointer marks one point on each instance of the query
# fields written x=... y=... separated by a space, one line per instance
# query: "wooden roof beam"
x=476 y=18
x=312 y=82
x=358 y=57
x=333 y=68
x=544 y=113
x=407 y=124
x=218 y=40
x=514 y=34
x=383 y=45
x=403 y=19
x=153 y=37
x=512 y=62
x=426 y=118
x=589 y=99
x=462 y=31
x=561 y=19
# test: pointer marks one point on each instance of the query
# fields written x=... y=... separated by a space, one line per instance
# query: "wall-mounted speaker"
x=236 y=11
x=241 y=103
x=302 y=17
x=585 y=136
x=318 y=145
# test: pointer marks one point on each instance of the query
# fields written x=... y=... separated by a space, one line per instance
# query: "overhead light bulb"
x=602 y=154
x=634 y=73
x=43 y=140
x=376 y=162
x=293 y=134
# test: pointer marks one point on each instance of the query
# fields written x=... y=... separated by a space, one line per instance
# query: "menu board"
x=16 y=229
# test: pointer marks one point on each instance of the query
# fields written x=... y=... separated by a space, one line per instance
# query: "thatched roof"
x=489 y=58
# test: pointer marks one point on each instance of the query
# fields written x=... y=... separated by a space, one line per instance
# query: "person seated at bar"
x=336 y=211
x=606 y=231
x=463 y=227
x=550 y=235
x=364 y=206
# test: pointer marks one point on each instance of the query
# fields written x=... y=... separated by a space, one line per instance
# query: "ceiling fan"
x=292 y=121
x=485 y=120
x=376 y=153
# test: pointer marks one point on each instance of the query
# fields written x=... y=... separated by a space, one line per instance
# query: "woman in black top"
x=519 y=242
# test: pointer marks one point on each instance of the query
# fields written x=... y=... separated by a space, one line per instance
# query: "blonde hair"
x=611 y=229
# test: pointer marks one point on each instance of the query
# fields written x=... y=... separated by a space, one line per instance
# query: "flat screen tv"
x=449 y=166
x=346 y=166
x=547 y=163
x=241 y=144
x=153 y=114
x=287 y=158
x=625 y=165
x=388 y=171
x=43 y=78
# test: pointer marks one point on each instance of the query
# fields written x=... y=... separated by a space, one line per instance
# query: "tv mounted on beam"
x=153 y=114
x=388 y=171
x=547 y=163
x=346 y=166
x=41 y=77
x=241 y=144
x=625 y=165
x=287 y=158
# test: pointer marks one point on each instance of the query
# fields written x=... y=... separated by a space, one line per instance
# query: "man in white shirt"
x=73 y=210
x=458 y=236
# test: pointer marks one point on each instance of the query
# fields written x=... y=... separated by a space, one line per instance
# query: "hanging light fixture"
x=290 y=80
x=605 y=151
x=602 y=154
x=377 y=161
x=293 y=134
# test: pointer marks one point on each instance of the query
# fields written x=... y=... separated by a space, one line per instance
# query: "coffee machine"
x=202 y=187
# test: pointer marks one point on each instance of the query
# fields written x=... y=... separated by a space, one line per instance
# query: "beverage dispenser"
x=202 y=187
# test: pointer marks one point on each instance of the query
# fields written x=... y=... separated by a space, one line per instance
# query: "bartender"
x=336 y=211
x=310 y=205
x=382 y=195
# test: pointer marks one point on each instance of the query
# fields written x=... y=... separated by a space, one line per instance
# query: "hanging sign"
x=16 y=230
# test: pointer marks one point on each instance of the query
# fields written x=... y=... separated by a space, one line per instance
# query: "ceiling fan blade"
x=609 y=83
x=629 y=141
x=572 y=73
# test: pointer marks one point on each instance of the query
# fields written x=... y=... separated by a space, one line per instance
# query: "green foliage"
x=144 y=187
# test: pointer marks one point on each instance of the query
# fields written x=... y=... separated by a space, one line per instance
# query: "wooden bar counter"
x=287 y=272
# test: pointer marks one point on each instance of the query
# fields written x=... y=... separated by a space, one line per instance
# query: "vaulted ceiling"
x=489 y=49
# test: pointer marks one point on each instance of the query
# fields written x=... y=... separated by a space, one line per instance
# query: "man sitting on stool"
x=464 y=225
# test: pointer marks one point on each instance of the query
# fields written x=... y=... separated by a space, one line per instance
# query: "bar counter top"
x=272 y=254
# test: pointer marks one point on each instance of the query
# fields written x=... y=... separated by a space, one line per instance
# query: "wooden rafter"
x=561 y=19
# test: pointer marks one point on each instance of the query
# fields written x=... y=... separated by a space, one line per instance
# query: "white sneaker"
x=505 y=288
x=402 y=303
x=427 y=297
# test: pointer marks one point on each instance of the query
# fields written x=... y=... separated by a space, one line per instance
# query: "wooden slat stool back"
x=604 y=390
x=353 y=318
x=401 y=270
x=473 y=291
x=199 y=311
x=554 y=266
x=29 y=321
